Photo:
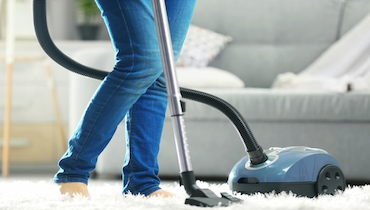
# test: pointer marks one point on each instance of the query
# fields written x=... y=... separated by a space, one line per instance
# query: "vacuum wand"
x=199 y=197
x=173 y=90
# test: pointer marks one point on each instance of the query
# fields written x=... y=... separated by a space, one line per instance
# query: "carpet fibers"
x=40 y=195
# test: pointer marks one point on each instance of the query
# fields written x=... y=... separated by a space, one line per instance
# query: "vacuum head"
x=302 y=170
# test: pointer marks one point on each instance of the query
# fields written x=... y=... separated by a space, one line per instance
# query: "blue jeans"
x=135 y=89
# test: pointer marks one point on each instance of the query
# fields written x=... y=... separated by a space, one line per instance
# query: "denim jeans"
x=135 y=89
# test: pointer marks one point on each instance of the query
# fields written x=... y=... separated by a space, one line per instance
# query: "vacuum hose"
x=254 y=151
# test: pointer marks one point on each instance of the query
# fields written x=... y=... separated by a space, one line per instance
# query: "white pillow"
x=201 y=46
x=207 y=77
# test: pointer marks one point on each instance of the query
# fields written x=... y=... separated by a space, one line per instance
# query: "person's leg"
x=144 y=129
x=146 y=117
x=136 y=69
x=130 y=24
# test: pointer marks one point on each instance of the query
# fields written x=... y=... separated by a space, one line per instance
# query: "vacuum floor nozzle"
x=207 y=198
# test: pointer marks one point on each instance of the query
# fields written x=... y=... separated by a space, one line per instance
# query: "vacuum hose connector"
x=254 y=151
x=257 y=156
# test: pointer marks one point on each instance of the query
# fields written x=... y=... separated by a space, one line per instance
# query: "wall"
x=62 y=16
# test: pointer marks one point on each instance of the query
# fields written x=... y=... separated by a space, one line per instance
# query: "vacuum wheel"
x=330 y=180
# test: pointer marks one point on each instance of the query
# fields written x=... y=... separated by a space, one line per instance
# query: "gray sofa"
x=269 y=38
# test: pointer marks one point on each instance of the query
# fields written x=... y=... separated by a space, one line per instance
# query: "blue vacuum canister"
x=301 y=170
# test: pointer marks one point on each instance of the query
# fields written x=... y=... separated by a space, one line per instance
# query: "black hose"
x=254 y=151
x=230 y=111
x=43 y=36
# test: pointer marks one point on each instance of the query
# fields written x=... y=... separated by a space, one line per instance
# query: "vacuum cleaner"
x=301 y=170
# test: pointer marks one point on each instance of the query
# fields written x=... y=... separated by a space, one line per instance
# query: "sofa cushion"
x=269 y=37
x=285 y=105
x=354 y=11
x=207 y=77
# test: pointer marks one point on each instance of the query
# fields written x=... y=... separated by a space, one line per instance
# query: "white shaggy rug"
x=40 y=195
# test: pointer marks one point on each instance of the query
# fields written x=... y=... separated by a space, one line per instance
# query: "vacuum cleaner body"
x=301 y=170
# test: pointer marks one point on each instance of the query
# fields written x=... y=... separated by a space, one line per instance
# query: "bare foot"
x=161 y=193
x=74 y=188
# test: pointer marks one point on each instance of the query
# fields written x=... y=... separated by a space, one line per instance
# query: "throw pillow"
x=201 y=46
x=207 y=77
